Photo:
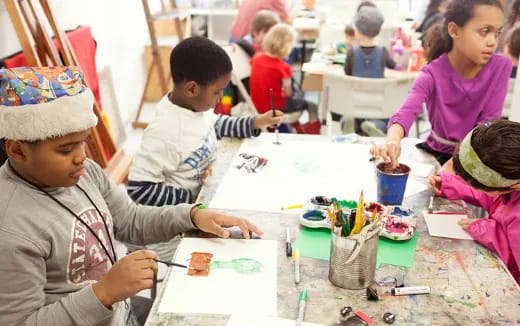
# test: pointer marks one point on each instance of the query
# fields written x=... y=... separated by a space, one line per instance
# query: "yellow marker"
x=292 y=207
x=359 y=221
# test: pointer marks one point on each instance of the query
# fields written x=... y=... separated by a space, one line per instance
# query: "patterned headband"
x=477 y=169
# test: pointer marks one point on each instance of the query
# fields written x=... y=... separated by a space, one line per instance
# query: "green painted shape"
x=314 y=243
x=453 y=300
x=397 y=253
x=246 y=266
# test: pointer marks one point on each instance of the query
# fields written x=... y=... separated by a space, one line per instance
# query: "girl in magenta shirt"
x=463 y=86
x=488 y=176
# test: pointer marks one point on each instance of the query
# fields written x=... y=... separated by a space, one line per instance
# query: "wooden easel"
x=28 y=18
x=164 y=14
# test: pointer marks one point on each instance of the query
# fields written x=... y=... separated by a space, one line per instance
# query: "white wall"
x=120 y=30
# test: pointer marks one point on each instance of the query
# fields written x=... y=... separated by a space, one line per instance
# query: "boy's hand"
x=213 y=222
x=206 y=174
x=127 y=276
x=266 y=119
x=435 y=182
x=389 y=152
x=465 y=222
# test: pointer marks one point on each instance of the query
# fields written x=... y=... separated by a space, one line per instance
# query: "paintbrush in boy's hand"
x=167 y=263
x=277 y=142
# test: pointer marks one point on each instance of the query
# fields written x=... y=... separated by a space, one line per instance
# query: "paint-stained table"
x=470 y=285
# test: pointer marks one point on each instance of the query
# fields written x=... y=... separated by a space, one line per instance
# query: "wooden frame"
x=39 y=50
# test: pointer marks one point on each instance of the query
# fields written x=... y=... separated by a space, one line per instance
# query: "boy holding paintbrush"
x=60 y=215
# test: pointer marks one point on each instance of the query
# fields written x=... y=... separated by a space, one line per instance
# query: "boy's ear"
x=453 y=30
x=15 y=150
x=191 y=89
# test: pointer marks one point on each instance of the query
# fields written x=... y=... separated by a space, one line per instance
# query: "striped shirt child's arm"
x=157 y=194
x=241 y=127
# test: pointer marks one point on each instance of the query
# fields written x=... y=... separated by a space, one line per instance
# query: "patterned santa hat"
x=38 y=103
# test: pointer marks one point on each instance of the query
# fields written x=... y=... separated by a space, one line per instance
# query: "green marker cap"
x=303 y=295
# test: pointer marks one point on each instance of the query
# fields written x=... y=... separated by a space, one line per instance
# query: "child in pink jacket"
x=487 y=164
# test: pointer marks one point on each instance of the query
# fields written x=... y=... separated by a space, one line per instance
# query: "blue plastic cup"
x=391 y=183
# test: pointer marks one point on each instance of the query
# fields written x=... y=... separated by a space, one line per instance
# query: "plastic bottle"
x=400 y=35
x=417 y=56
x=398 y=51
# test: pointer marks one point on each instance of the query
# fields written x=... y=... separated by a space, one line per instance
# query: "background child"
x=465 y=85
x=261 y=24
x=487 y=160
x=350 y=40
x=269 y=71
x=365 y=59
x=512 y=47
x=60 y=215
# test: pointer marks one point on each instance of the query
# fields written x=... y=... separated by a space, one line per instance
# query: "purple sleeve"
x=453 y=187
x=496 y=103
x=421 y=90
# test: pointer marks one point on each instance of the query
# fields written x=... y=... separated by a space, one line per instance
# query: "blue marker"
x=301 y=309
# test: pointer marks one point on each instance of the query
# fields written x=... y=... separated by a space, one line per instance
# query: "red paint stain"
x=460 y=260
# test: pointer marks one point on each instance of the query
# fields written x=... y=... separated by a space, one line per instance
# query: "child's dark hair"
x=497 y=144
x=198 y=59
x=458 y=12
x=365 y=4
x=513 y=41
x=513 y=13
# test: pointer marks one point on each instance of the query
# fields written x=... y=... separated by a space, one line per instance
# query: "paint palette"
x=315 y=215
x=315 y=218
x=398 y=223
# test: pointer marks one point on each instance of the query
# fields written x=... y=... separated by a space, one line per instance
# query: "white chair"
x=367 y=98
x=506 y=112
x=241 y=69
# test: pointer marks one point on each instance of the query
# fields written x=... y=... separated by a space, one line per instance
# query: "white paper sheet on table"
x=446 y=226
x=224 y=291
x=256 y=320
x=297 y=171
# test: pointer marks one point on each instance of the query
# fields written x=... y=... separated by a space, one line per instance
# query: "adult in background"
x=433 y=15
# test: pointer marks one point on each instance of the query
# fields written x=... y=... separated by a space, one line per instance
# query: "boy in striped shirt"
x=179 y=145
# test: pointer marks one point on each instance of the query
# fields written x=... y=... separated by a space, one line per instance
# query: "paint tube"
x=411 y=290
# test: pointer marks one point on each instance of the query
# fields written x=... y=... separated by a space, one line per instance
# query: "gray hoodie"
x=49 y=260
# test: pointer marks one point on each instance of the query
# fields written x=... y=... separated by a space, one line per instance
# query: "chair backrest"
x=241 y=69
x=509 y=98
x=241 y=61
x=368 y=98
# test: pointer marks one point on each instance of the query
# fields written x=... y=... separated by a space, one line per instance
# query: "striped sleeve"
x=241 y=127
x=157 y=194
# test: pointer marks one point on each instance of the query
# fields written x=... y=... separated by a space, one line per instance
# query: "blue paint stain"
x=414 y=299
x=398 y=211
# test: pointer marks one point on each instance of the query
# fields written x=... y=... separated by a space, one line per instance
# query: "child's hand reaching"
x=435 y=182
x=266 y=119
x=126 y=277
x=213 y=222
x=465 y=222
